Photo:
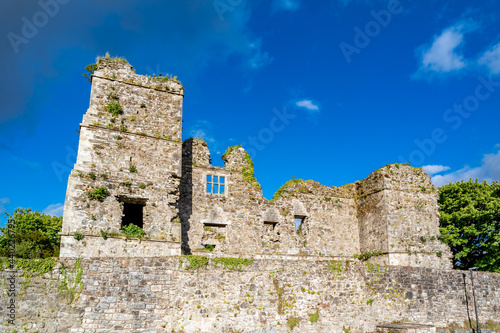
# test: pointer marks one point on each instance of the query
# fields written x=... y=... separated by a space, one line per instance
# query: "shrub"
x=78 y=236
x=36 y=234
x=90 y=71
x=133 y=231
x=99 y=193
x=114 y=108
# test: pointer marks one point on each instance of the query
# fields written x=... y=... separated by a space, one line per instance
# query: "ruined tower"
x=128 y=167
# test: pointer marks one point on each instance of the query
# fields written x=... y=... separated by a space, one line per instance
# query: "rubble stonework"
x=164 y=295
x=136 y=155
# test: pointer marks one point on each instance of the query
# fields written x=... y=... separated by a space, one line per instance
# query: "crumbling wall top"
x=196 y=152
x=237 y=159
x=395 y=177
x=116 y=68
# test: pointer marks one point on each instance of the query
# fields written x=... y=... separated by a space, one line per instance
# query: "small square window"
x=216 y=184
x=298 y=222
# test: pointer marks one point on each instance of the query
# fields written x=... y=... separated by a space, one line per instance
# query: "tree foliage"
x=470 y=223
x=36 y=234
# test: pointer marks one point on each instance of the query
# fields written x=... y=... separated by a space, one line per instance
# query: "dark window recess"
x=214 y=225
x=270 y=225
x=132 y=214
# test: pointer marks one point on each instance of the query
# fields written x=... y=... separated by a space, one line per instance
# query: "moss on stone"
x=284 y=188
x=247 y=171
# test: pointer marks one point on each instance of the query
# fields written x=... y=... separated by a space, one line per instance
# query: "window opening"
x=271 y=225
x=133 y=214
x=216 y=184
x=299 y=220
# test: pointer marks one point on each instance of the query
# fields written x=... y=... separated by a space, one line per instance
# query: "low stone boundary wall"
x=197 y=294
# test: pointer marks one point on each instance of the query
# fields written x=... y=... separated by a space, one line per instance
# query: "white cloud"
x=433 y=169
x=308 y=104
x=491 y=59
x=291 y=5
x=258 y=58
x=489 y=170
x=54 y=209
x=3 y=201
x=442 y=55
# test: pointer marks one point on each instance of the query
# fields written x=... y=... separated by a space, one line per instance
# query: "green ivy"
x=335 y=267
x=367 y=255
x=283 y=189
x=248 y=171
x=195 y=261
x=35 y=266
x=71 y=285
x=229 y=151
x=232 y=264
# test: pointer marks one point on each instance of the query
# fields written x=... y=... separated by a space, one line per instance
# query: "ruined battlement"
x=132 y=168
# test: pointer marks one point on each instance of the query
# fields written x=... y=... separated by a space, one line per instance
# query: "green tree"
x=470 y=223
x=36 y=234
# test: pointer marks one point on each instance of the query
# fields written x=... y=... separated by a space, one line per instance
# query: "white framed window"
x=216 y=184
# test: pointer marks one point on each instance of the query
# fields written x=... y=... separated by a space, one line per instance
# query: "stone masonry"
x=136 y=157
x=283 y=295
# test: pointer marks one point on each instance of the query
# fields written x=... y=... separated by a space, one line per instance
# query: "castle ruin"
x=131 y=150
x=216 y=256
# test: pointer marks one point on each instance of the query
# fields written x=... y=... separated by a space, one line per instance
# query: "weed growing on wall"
x=133 y=231
x=292 y=322
x=99 y=193
x=314 y=317
x=367 y=255
x=114 y=108
x=232 y=264
x=195 y=261
x=71 y=284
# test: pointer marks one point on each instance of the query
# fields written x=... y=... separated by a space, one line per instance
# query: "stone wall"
x=165 y=295
x=130 y=146
x=393 y=213
x=398 y=215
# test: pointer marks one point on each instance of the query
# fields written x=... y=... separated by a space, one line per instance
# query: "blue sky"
x=328 y=90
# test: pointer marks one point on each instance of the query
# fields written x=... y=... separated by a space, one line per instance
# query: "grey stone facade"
x=137 y=156
x=160 y=295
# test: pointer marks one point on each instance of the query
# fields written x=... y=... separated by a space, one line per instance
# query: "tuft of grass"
x=114 y=108
x=292 y=322
x=99 y=193
x=314 y=317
